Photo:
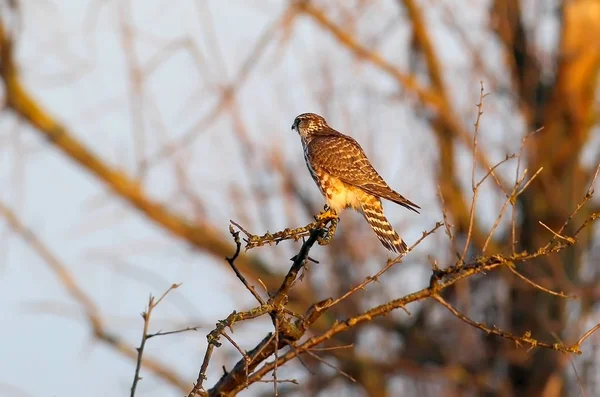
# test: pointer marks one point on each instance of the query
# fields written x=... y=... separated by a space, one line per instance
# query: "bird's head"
x=308 y=124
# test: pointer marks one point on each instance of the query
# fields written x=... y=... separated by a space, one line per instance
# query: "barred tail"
x=373 y=213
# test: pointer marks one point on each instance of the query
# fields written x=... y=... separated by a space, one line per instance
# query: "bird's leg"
x=330 y=232
x=327 y=215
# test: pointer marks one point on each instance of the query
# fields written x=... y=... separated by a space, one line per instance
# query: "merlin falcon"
x=346 y=178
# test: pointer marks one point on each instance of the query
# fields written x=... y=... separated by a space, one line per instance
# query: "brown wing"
x=342 y=157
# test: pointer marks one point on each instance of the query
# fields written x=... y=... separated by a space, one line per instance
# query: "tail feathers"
x=403 y=201
x=388 y=193
x=373 y=213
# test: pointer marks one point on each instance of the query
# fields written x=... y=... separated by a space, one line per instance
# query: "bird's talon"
x=326 y=215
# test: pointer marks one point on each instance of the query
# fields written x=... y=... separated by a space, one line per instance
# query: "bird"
x=347 y=179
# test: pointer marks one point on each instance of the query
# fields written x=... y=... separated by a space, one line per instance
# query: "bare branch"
x=526 y=339
x=389 y=264
x=152 y=303
x=474 y=187
x=536 y=285
x=440 y=280
x=231 y=261
x=588 y=334
x=323 y=220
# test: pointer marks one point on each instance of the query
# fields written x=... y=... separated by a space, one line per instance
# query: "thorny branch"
x=326 y=220
x=389 y=264
x=525 y=339
x=288 y=332
x=289 y=328
x=440 y=280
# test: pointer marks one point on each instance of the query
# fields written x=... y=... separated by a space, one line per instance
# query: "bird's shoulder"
x=342 y=156
x=332 y=143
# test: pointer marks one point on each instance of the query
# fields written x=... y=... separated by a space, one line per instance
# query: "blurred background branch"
x=181 y=110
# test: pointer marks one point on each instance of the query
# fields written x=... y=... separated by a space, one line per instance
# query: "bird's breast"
x=338 y=194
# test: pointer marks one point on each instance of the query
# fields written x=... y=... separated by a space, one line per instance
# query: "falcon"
x=346 y=178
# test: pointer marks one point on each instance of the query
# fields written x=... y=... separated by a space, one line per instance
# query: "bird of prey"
x=346 y=178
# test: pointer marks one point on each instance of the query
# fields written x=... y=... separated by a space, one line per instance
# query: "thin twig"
x=588 y=196
x=474 y=187
x=140 y=350
x=567 y=239
x=517 y=179
x=231 y=261
x=588 y=334
x=294 y=381
x=447 y=224
x=536 y=285
x=476 y=133
x=525 y=339
x=389 y=264
x=177 y=331
x=276 y=351
x=323 y=349
x=292 y=347
x=171 y=288
x=239 y=349
x=152 y=303
x=511 y=199
x=310 y=353
x=491 y=170
x=529 y=181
